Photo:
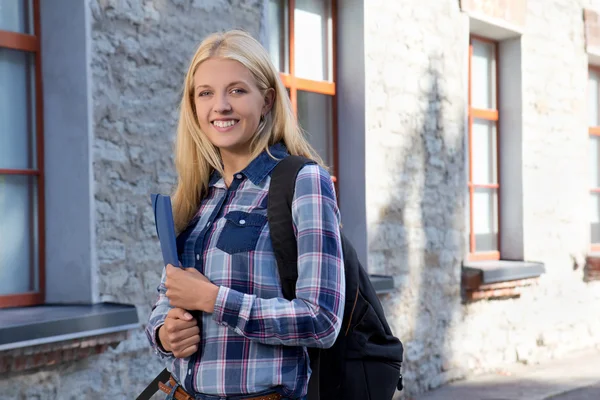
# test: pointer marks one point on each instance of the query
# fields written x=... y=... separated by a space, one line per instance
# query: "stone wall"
x=139 y=54
x=416 y=177
x=416 y=88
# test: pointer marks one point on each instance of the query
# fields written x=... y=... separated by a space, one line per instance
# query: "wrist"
x=160 y=340
x=214 y=293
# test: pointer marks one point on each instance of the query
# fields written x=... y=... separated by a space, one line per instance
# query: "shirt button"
x=239 y=176
x=197 y=256
x=242 y=221
x=189 y=371
x=208 y=224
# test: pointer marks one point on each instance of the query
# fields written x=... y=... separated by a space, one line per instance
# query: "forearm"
x=157 y=319
x=278 y=321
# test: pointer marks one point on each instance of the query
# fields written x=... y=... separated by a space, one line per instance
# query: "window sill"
x=382 y=283
x=498 y=279
x=33 y=337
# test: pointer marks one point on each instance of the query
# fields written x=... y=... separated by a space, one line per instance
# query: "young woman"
x=221 y=321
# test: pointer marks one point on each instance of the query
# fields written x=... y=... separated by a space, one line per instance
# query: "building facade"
x=462 y=135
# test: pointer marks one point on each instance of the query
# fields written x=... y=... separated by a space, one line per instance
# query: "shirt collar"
x=260 y=167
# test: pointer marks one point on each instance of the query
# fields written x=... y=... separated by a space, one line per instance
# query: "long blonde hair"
x=195 y=156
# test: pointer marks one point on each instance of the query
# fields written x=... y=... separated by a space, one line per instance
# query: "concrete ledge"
x=498 y=279
x=382 y=283
x=32 y=326
x=503 y=271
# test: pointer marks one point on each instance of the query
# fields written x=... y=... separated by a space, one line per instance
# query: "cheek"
x=199 y=113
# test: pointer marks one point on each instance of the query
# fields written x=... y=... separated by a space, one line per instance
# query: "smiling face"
x=228 y=104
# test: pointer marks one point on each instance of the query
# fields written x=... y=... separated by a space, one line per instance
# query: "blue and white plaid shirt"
x=256 y=340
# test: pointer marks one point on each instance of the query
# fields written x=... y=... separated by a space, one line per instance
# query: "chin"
x=233 y=144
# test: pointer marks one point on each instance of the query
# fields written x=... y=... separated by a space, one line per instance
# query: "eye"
x=238 y=91
x=204 y=93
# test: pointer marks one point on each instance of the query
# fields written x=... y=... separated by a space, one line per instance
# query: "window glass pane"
x=593 y=81
x=594 y=161
x=313 y=39
x=279 y=34
x=485 y=223
x=18 y=234
x=595 y=217
x=16 y=16
x=484 y=152
x=483 y=79
x=17 y=110
x=315 y=115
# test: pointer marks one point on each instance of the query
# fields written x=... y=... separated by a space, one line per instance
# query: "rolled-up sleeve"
x=314 y=318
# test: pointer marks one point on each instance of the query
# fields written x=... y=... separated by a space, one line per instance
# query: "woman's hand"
x=190 y=290
x=180 y=333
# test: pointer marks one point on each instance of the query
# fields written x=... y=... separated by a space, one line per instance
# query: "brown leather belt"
x=181 y=394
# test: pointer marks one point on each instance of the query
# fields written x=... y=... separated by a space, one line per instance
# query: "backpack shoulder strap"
x=285 y=245
x=281 y=226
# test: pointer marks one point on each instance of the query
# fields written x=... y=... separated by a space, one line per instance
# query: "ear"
x=269 y=100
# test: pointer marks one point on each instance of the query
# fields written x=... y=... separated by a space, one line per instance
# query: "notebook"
x=165 y=228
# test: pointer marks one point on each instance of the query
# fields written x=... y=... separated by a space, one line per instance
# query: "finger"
x=180 y=345
x=170 y=269
x=176 y=300
x=175 y=326
x=187 y=352
x=179 y=313
x=185 y=333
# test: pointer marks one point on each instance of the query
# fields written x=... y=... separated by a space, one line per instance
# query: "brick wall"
x=52 y=354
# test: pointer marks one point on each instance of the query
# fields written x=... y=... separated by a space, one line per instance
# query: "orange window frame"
x=31 y=44
x=594 y=131
x=295 y=83
x=489 y=115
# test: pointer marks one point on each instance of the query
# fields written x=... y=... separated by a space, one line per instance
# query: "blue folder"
x=165 y=228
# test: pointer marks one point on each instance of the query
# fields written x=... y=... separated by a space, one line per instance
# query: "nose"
x=222 y=104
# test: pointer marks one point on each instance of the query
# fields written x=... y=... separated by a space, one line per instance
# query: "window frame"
x=294 y=83
x=487 y=115
x=31 y=43
x=594 y=131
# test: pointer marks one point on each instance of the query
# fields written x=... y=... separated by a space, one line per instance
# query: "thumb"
x=180 y=313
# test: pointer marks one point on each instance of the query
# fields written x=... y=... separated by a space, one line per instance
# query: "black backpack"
x=365 y=361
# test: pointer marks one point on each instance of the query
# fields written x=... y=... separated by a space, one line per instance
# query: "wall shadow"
x=420 y=240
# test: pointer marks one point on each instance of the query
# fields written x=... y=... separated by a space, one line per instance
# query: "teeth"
x=224 y=124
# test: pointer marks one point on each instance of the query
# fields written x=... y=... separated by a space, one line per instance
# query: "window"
x=302 y=47
x=21 y=152
x=594 y=132
x=483 y=150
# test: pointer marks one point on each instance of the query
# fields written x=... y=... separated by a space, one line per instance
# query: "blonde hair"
x=195 y=156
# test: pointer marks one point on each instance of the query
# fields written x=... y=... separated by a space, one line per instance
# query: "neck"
x=233 y=162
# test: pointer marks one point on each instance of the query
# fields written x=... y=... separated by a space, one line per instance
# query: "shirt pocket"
x=241 y=232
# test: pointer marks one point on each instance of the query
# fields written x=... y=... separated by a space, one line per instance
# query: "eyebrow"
x=204 y=86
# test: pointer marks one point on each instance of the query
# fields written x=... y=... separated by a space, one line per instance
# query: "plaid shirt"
x=256 y=340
